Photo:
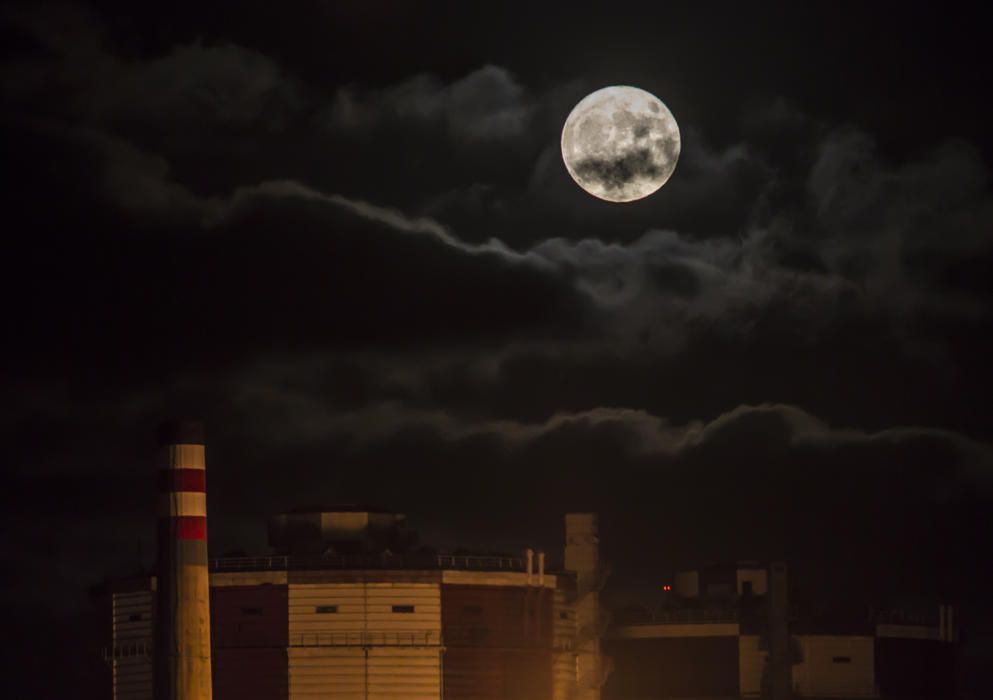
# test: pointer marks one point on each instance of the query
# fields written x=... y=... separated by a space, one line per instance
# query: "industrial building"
x=380 y=625
x=716 y=634
x=345 y=607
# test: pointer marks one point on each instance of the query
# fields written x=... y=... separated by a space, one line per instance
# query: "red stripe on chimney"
x=189 y=527
x=182 y=480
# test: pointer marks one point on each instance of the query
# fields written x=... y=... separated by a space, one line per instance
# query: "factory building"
x=346 y=607
x=716 y=637
x=335 y=613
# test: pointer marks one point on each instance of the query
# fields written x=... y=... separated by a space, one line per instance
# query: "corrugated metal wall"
x=835 y=666
x=250 y=674
x=913 y=667
x=564 y=658
x=499 y=642
x=249 y=635
x=364 y=640
x=751 y=662
x=497 y=616
x=373 y=673
x=673 y=667
x=396 y=673
x=327 y=672
x=131 y=643
x=497 y=674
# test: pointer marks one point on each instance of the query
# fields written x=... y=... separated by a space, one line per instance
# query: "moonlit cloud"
x=307 y=418
x=485 y=105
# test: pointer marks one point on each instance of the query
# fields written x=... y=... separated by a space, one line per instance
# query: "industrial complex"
x=344 y=607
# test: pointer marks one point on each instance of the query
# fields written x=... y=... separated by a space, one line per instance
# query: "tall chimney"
x=582 y=556
x=781 y=665
x=182 y=633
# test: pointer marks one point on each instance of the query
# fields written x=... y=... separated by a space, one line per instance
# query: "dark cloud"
x=768 y=464
x=79 y=74
x=615 y=173
x=486 y=105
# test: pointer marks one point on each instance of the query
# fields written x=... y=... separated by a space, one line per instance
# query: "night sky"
x=342 y=235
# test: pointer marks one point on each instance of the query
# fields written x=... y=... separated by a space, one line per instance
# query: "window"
x=134 y=617
x=251 y=611
x=472 y=609
x=746 y=588
x=325 y=609
x=842 y=659
x=403 y=608
x=563 y=615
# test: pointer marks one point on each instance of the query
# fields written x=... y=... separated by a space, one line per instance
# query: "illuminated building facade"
x=373 y=624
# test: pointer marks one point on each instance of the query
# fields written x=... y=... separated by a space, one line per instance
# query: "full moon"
x=620 y=143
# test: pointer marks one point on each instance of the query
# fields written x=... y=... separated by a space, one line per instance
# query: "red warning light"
x=667 y=587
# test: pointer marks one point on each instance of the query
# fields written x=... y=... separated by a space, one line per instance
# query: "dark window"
x=563 y=615
x=746 y=588
x=251 y=611
x=403 y=608
x=134 y=617
x=842 y=659
x=472 y=609
x=326 y=609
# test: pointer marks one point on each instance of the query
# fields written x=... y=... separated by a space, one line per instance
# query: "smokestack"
x=781 y=665
x=582 y=556
x=541 y=569
x=529 y=554
x=182 y=633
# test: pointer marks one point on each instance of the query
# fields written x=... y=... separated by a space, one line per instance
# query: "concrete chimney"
x=182 y=632
x=781 y=665
x=582 y=557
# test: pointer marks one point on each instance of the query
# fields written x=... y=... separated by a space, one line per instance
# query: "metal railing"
x=486 y=637
x=906 y=617
x=429 y=638
x=361 y=561
x=358 y=638
x=452 y=561
x=128 y=650
x=682 y=616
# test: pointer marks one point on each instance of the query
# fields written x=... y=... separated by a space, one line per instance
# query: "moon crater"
x=620 y=143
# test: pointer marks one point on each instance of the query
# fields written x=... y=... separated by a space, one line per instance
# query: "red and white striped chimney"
x=182 y=642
